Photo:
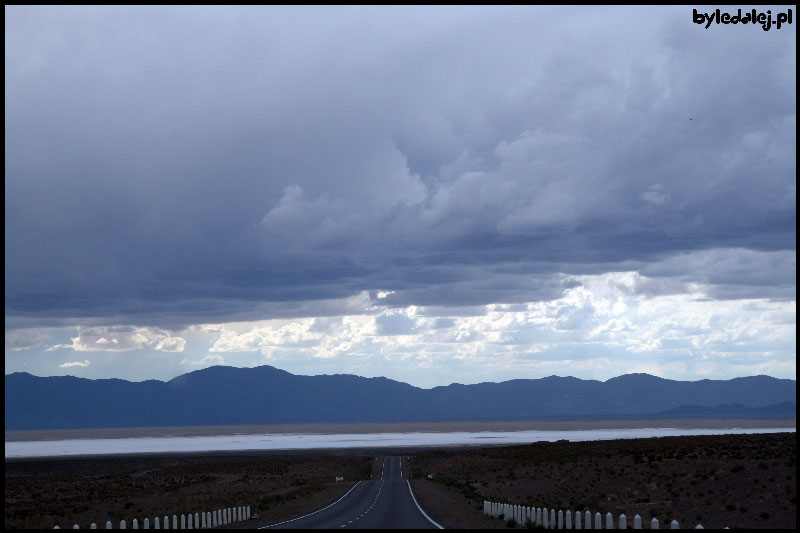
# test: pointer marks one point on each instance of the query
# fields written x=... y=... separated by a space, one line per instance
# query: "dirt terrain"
x=739 y=481
x=43 y=493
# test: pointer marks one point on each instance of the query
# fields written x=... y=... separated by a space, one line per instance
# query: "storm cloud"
x=173 y=166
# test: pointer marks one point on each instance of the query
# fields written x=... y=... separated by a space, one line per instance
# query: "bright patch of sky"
x=601 y=327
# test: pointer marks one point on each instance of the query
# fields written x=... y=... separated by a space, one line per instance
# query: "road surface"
x=387 y=503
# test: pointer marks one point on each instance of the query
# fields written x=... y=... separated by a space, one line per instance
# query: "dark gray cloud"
x=169 y=166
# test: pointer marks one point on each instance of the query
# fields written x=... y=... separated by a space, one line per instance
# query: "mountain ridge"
x=224 y=395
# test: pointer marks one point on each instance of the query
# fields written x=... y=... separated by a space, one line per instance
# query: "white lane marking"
x=370 y=507
x=420 y=508
x=315 y=512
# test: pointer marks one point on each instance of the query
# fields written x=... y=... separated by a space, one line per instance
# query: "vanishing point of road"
x=387 y=503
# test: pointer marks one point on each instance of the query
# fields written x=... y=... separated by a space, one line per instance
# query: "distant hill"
x=266 y=395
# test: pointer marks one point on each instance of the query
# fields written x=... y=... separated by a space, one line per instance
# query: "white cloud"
x=601 y=326
x=123 y=339
x=84 y=364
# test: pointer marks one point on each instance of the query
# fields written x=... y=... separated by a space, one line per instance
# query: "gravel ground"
x=739 y=481
x=43 y=493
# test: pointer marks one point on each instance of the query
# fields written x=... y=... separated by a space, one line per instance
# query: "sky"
x=431 y=194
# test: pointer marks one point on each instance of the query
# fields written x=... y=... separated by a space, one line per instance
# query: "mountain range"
x=224 y=395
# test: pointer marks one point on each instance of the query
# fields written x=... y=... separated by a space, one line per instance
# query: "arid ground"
x=739 y=481
x=43 y=493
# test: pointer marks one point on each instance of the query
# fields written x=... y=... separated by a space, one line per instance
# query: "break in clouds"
x=378 y=190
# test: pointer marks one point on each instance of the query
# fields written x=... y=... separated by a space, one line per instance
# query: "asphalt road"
x=387 y=503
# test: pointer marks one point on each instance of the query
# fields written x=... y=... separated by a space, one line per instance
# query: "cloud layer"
x=175 y=166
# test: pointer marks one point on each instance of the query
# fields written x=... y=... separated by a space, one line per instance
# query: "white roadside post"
x=588 y=519
x=654 y=523
x=609 y=521
x=637 y=522
x=560 y=519
x=623 y=521
x=598 y=520
x=674 y=525
x=568 y=519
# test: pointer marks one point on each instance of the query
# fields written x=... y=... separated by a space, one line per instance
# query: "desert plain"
x=738 y=481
